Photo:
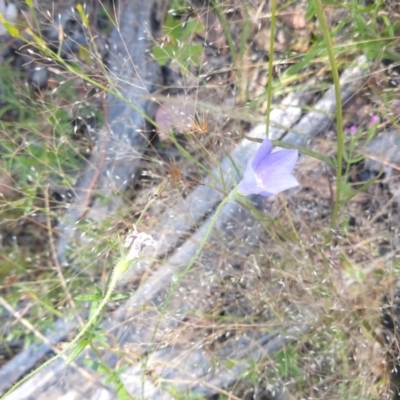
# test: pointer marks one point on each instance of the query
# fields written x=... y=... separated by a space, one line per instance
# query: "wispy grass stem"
x=339 y=117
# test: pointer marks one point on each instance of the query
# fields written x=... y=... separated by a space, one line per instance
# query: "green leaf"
x=162 y=54
x=374 y=6
x=184 y=55
x=173 y=27
x=189 y=55
x=99 y=335
x=310 y=10
x=313 y=53
x=192 y=27
x=88 y=297
x=389 y=32
x=11 y=29
x=120 y=296
x=77 y=350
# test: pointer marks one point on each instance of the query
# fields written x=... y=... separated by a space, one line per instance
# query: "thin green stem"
x=270 y=66
x=228 y=35
x=143 y=212
x=232 y=195
x=339 y=119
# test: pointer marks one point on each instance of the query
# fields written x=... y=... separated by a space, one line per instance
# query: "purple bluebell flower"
x=269 y=173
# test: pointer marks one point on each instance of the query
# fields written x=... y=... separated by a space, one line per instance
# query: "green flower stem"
x=233 y=195
x=119 y=269
x=270 y=66
x=339 y=118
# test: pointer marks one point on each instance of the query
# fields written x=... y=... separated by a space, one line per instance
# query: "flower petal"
x=274 y=173
x=248 y=184
x=263 y=151
x=288 y=182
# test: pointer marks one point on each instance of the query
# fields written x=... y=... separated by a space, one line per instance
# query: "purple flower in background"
x=373 y=121
x=351 y=130
x=269 y=173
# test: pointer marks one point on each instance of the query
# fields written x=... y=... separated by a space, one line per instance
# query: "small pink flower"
x=269 y=173
x=373 y=121
x=352 y=130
